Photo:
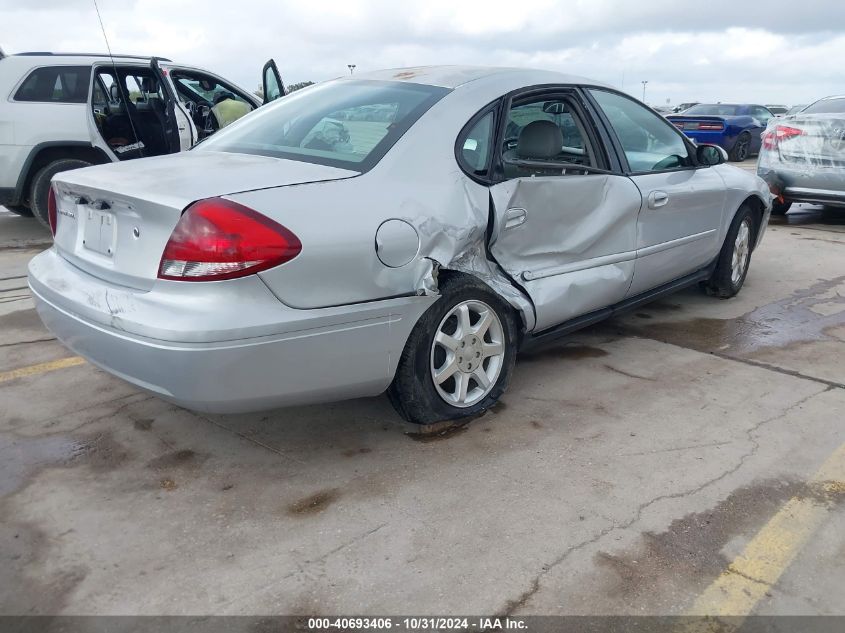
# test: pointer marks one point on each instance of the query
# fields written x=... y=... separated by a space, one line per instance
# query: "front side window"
x=650 y=143
x=544 y=136
x=56 y=84
x=346 y=123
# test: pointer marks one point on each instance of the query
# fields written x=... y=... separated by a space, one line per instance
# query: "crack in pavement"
x=780 y=370
x=512 y=605
x=37 y=340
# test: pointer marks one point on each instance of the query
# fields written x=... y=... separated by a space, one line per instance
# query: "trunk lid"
x=811 y=139
x=114 y=220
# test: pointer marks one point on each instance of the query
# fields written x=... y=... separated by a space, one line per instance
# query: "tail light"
x=781 y=133
x=711 y=126
x=52 y=215
x=219 y=239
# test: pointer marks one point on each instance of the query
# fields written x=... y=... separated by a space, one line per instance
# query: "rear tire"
x=735 y=256
x=780 y=208
x=40 y=187
x=742 y=148
x=458 y=360
x=25 y=212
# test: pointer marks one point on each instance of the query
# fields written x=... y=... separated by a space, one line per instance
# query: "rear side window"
x=56 y=84
x=826 y=106
x=476 y=145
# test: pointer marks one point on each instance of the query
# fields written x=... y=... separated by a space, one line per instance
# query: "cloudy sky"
x=720 y=50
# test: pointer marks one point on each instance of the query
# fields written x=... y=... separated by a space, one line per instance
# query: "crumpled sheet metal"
x=461 y=244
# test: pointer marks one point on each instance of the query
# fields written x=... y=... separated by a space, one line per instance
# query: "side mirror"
x=710 y=155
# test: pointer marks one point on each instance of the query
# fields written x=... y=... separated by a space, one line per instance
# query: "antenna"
x=120 y=87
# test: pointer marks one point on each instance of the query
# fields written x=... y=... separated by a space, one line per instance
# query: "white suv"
x=64 y=111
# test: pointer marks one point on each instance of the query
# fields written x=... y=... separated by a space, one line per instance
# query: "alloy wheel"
x=739 y=259
x=467 y=353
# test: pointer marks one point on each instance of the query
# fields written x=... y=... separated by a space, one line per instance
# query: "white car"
x=64 y=111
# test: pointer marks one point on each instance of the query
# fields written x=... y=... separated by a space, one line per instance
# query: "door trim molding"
x=665 y=246
x=595 y=262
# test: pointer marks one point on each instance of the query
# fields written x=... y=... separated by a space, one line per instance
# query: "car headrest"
x=539 y=139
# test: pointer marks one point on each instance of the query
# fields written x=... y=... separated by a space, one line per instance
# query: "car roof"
x=84 y=56
x=456 y=76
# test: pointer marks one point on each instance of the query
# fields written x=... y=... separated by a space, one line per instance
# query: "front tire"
x=742 y=148
x=40 y=187
x=735 y=256
x=459 y=357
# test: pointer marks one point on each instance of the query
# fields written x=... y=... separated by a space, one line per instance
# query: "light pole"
x=644 y=82
x=351 y=67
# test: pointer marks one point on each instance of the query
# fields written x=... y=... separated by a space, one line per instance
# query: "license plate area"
x=100 y=231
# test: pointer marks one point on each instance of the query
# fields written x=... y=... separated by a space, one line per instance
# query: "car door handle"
x=515 y=217
x=657 y=199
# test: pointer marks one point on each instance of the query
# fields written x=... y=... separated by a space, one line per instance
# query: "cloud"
x=721 y=51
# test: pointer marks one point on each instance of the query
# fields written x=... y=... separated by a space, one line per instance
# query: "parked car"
x=496 y=210
x=796 y=109
x=777 y=110
x=65 y=111
x=803 y=156
x=684 y=106
x=734 y=127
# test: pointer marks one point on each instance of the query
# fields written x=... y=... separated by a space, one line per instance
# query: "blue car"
x=737 y=128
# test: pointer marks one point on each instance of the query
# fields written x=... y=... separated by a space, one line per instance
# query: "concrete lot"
x=623 y=472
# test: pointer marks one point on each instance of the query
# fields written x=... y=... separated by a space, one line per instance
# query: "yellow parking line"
x=40 y=368
x=752 y=574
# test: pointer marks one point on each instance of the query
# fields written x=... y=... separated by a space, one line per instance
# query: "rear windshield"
x=826 y=106
x=717 y=109
x=347 y=123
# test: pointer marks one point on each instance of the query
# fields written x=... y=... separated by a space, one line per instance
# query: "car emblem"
x=66 y=213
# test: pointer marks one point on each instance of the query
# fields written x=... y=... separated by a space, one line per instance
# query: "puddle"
x=21 y=458
x=806 y=315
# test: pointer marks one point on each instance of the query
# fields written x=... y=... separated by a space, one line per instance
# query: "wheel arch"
x=758 y=207
x=45 y=153
x=520 y=304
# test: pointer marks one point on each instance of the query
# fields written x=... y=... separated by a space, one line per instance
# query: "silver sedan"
x=407 y=230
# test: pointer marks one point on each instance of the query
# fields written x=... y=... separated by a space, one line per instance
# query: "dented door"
x=569 y=241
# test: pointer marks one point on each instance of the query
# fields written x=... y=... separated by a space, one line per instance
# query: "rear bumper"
x=816 y=185
x=312 y=356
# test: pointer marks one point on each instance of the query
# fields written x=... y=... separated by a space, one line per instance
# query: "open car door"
x=272 y=82
x=173 y=122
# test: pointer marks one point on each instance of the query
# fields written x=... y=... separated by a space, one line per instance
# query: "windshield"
x=347 y=123
x=826 y=106
x=717 y=109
